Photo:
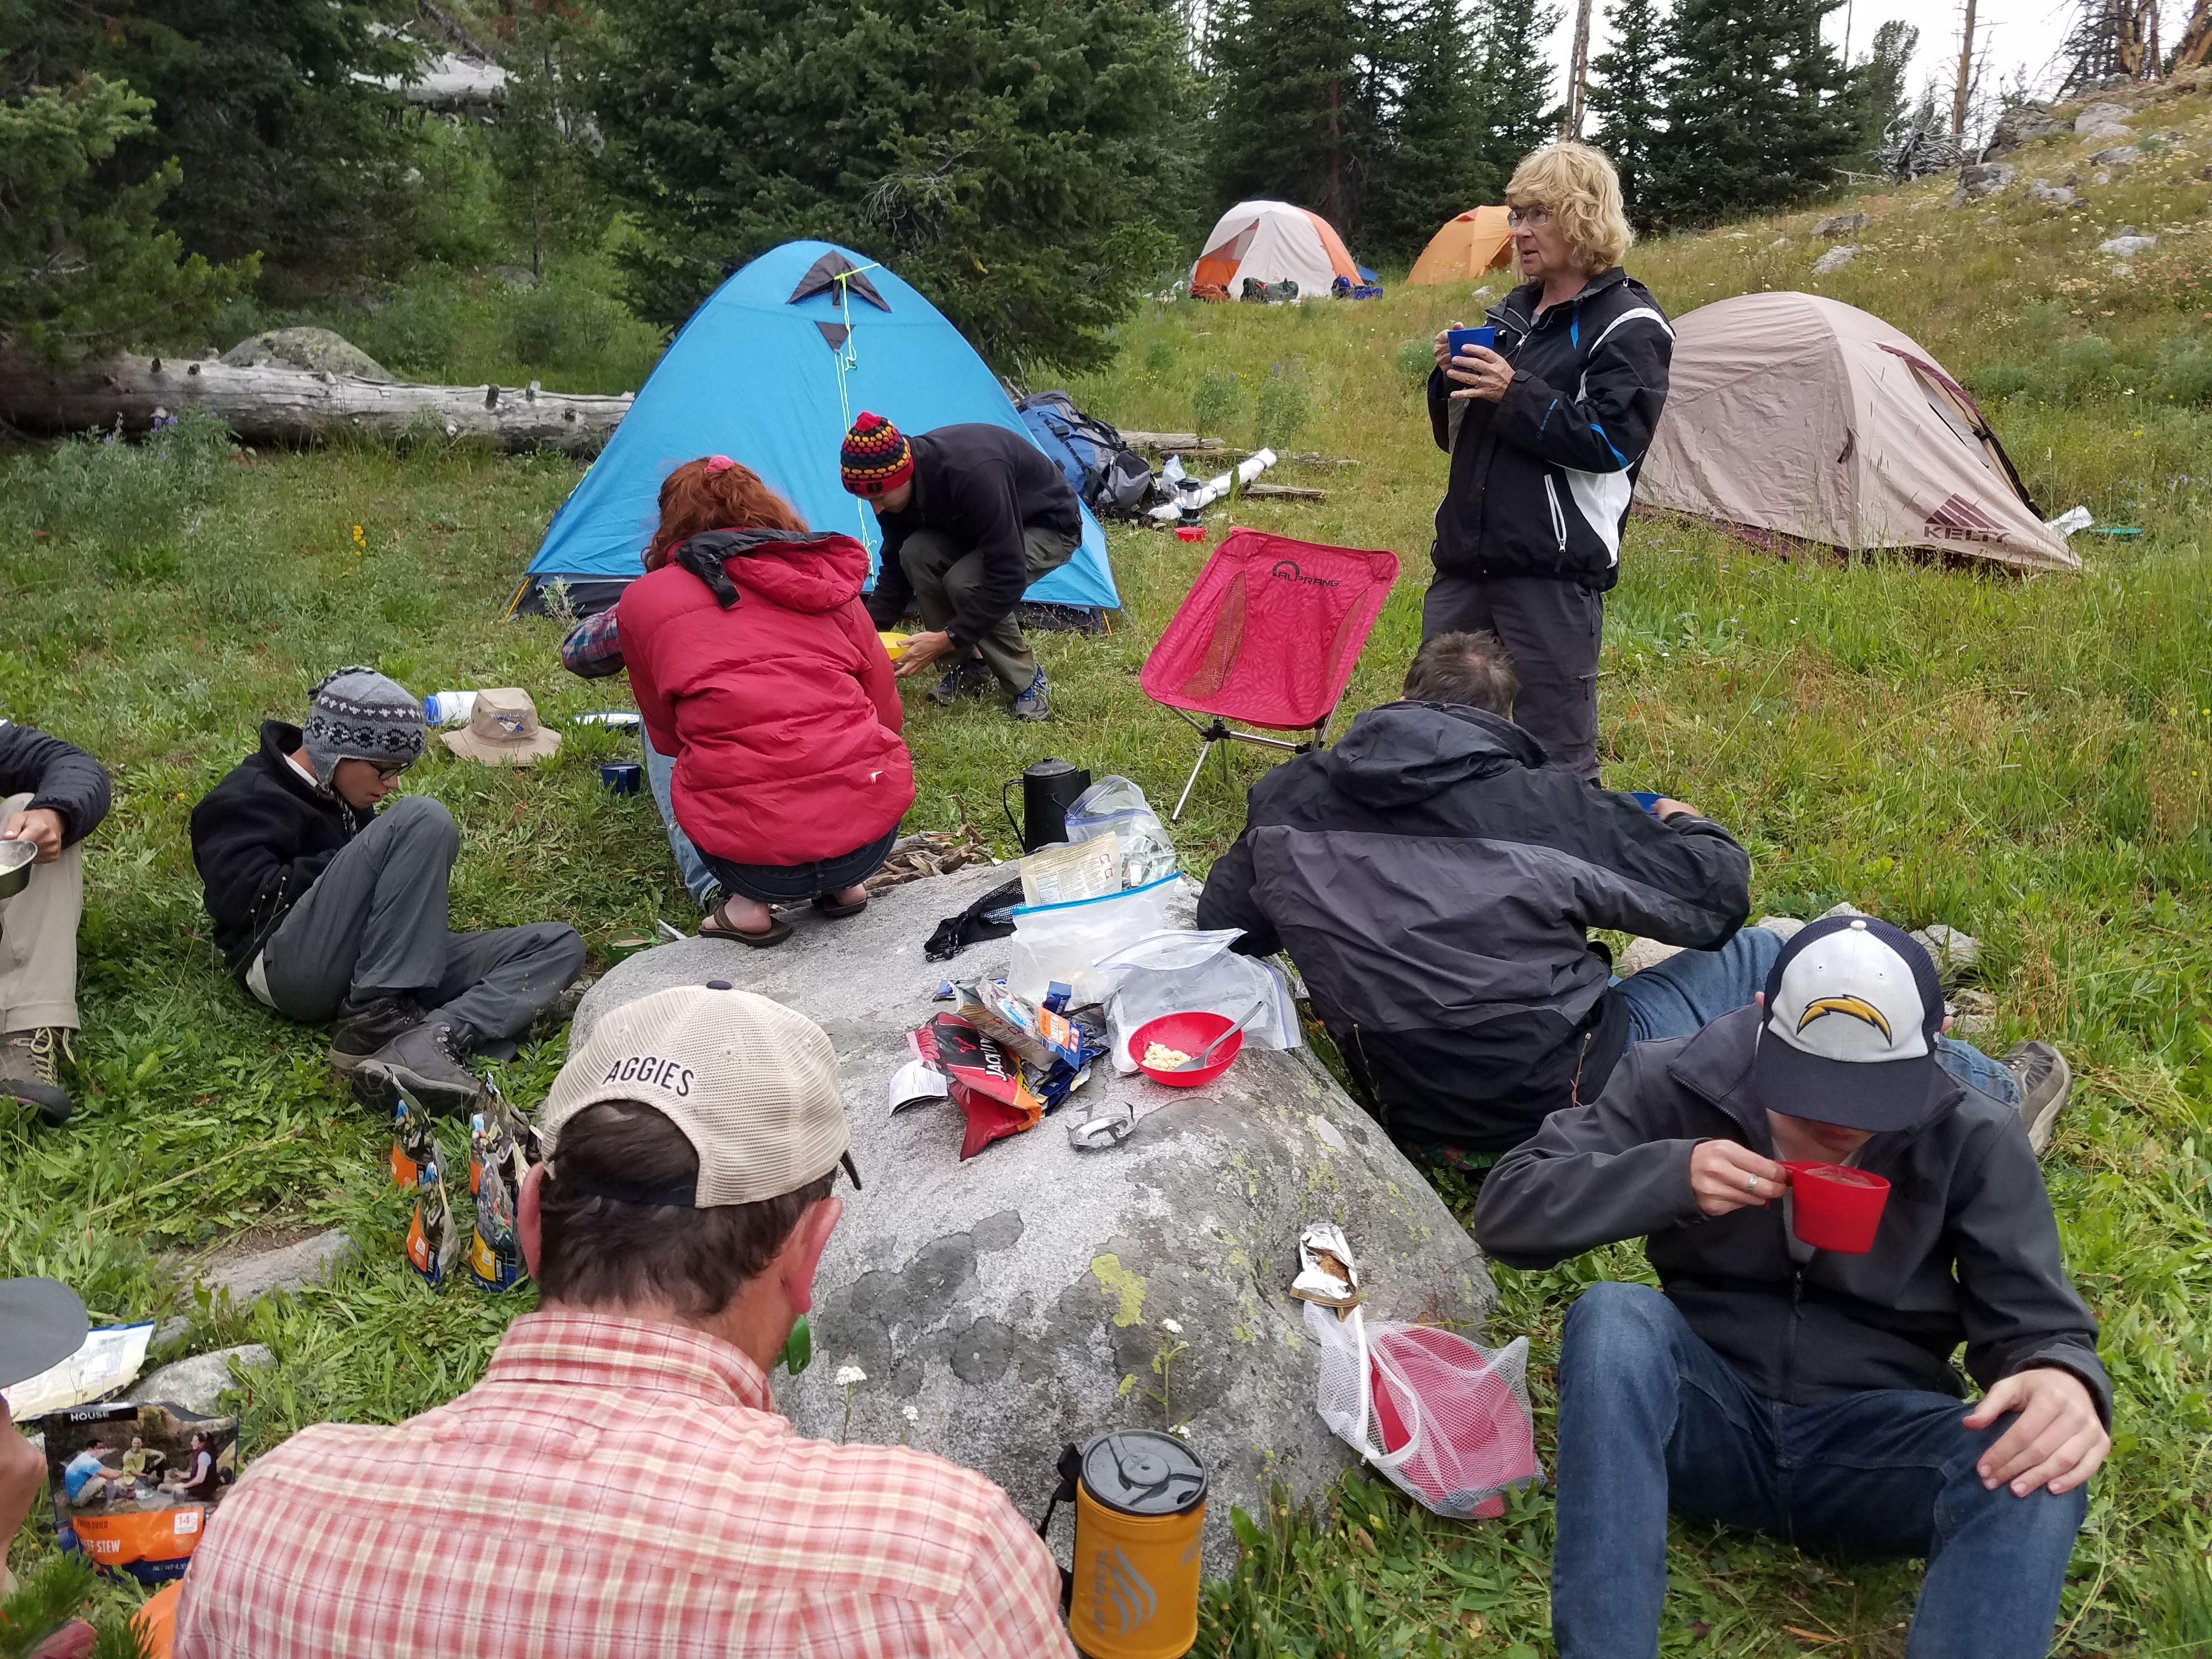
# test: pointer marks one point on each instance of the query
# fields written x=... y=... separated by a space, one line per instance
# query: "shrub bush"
x=1219 y=402
x=128 y=501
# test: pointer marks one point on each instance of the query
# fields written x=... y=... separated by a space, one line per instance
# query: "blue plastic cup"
x=623 y=777
x=1459 y=339
x=1648 y=799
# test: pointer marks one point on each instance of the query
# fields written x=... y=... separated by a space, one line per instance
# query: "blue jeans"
x=1651 y=1419
x=1687 y=992
x=660 y=771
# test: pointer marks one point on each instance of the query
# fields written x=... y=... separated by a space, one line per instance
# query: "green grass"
x=2029 y=760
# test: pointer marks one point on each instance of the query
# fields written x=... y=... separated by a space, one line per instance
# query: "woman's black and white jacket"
x=1541 y=481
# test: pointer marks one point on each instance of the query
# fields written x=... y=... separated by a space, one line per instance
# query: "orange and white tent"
x=1803 y=416
x=1273 y=241
x=1478 y=241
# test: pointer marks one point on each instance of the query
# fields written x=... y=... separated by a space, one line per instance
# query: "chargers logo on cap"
x=1856 y=1008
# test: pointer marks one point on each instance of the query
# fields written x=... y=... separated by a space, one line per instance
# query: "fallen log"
x=1264 y=492
x=1189 y=443
x=272 y=405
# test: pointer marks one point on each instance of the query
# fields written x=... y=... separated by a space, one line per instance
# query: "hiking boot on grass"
x=430 y=1059
x=30 y=1071
x=2046 y=1080
x=366 y=1023
x=1035 y=703
x=970 y=677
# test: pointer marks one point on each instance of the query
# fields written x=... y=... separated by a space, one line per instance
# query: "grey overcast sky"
x=2019 y=37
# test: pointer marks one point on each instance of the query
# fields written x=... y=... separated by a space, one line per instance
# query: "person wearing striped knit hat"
x=972 y=516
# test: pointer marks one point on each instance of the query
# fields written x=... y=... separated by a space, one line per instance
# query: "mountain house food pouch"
x=496 y=1251
x=433 y=1244
x=414 y=1144
x=133 y=1484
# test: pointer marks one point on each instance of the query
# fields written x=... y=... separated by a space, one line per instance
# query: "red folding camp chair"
x=1268 y=635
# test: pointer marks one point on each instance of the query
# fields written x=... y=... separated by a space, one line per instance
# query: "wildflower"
x=1171 y=1326
x=912 y=1414
x=849 y=1375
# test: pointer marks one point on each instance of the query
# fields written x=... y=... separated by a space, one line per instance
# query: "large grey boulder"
x=1842 y=224
x=196 y=1384
x=2093 y=117
x=1981 y=179
x=1835 y=258
x=311 y=349
x=1035 y=1295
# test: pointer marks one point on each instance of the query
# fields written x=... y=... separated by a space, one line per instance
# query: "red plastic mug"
x=1835 y=1207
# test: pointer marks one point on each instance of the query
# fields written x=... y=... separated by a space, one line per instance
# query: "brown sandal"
x=827 y=904
x=717 y=925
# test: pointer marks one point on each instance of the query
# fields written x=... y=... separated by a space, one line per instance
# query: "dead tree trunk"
x=296 y=406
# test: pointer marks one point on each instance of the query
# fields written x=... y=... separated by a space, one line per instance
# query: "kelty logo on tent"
x=1289 y=571
x=1959 y=520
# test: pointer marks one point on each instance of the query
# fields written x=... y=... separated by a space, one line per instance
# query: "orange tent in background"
x=1478 y=241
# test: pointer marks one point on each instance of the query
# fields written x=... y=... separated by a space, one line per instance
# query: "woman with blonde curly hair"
x=1546 y=428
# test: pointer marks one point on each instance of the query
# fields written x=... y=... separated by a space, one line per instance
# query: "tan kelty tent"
x=1478 y=241
x=1799 y=415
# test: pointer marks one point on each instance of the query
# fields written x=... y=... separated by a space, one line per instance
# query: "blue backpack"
x=1112 y=478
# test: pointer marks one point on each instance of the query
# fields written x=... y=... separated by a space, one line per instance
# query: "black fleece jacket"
x=259 y=839
x=1967 y=1250
x=1435 y=882
x=58 y=776
x=982 y=486
x=1541 y=481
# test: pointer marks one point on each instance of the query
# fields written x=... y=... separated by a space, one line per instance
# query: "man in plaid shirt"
x=620 y=1483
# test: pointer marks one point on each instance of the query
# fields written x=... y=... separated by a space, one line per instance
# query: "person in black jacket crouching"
x=52 y=795
x=1805 y=1393
x=325 y=908
x=972 y=515
x=1436 y=882
x=1546 y=433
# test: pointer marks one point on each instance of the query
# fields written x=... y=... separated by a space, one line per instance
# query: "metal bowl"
x=15 y=860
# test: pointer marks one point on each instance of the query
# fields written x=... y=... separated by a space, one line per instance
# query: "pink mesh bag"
x=1445 y=1418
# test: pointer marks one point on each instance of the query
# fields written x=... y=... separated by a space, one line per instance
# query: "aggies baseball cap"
x=751 y=1084
x=1853 y=1009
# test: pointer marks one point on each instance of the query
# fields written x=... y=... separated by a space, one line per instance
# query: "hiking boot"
x=30 y=1071
x=970 y=677
x=427 y=1059
x=366 y=1023
x=2046 y=1080
x=1035 y=703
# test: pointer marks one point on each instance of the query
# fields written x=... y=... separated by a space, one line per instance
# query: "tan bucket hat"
x=503 y=730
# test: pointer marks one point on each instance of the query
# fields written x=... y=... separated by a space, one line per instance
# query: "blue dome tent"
x=770 y=371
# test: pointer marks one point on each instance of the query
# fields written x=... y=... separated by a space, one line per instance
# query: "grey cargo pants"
x=374 y=921
x=1553 y=629
x=944 y=573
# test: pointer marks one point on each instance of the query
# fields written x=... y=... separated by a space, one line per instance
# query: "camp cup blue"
x=621 y=776
x=1648 y=799
x=1459 y=339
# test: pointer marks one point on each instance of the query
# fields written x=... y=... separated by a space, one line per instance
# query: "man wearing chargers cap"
x=620 y=1482
x=1808 y=1394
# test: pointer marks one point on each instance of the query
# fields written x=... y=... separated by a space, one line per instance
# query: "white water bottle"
x=448 y=707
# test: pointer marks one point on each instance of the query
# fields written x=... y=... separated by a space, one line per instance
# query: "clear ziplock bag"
x=1179 y=972
x=1115 y=806
x=1063 y=942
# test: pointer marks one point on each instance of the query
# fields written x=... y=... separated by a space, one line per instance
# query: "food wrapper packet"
x=434 y=1243
x=1040 y=1037
x=414 y=1143
x=496 y=1251
x=986 y=1081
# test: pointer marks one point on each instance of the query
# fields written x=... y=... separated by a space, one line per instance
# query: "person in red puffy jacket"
x=755 y=665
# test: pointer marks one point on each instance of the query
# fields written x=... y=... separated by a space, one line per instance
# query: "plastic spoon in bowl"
x=1204 y=1057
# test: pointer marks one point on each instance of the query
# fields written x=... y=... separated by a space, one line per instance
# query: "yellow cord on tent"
x=850 y=358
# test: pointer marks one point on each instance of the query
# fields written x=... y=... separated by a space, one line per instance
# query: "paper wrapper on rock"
x=985 y=1080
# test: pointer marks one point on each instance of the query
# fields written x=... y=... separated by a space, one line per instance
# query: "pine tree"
x=1878 y=84
x=1754 y=108
x=1624 y=92
x=1513 y=78
x=1435 y=168
x=1298 y=110
x=85 y=265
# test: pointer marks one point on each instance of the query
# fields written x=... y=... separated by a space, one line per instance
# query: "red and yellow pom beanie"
x=876 y=457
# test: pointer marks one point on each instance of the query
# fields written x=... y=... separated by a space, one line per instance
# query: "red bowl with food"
x=1185 y=1034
